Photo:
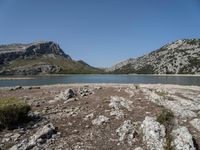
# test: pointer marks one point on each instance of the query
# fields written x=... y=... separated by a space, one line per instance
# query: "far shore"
x=49 y=75
x=16 y=78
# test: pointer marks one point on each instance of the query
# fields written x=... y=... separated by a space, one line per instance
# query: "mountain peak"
x=11 y=52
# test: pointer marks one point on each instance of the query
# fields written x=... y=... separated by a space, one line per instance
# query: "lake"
x=99 y=78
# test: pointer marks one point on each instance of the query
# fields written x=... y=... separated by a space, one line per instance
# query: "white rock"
x=117 y=103
x=153 y=134
x=126 y=132
x=182 y=139
x=89 y=116
x=42 y=134
x=130 y=91
x=138 y=148
x=180 y=108
x=100 y=120
x=65 y=95
x=196 y=123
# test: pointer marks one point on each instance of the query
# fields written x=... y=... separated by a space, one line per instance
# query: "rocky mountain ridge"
x=38 y=57
x=179 y=57
x=13 y=51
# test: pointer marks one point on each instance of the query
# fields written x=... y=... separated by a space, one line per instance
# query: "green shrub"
x=166 y=118
x=13 y=112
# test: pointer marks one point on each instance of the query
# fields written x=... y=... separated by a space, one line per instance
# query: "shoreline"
x=116 y=85
x=61 y=75
x=16 y=78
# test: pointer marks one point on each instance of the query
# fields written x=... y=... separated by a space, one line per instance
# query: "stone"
x=16 y=88
x=89 y=116
x=176 y=106
x=195 y=123
x=182 y=139
x=126 y=132
x=138 y=148
x=38 y=138
x=86 y=91
x=153 y=133
x=117 y=104
x=15 y=137
x=65 y=95
x=100 y=120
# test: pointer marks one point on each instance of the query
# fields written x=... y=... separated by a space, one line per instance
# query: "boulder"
x=126 y=132
x=65 y=95
x=85 y=92
x=182 y=139
x=153 y=134
x=117 y=104
x=39 y=137
x=16 y=88
x=195 y=123
x=100 y=120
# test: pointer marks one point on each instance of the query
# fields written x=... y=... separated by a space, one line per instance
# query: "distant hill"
x=179 y=57
x=39 y=58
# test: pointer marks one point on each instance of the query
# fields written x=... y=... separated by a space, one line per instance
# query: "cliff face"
x=179 y=57
x=14 y=51
x=39 y=57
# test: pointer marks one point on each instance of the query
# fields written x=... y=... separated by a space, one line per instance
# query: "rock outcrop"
x=182 y=139
x=154 y=134
x=34 y=70
x=117 y=104
x=126 y=132
x=100 y=120
x=179 y=57
x=38 y=138
x=14 y=51
x=65 y=95
x=195 y=123
x=39 y=58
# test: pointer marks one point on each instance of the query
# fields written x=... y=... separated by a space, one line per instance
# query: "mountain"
x=39 y=58
x=179 y=57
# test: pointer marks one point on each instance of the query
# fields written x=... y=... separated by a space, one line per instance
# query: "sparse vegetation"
x=128 y=69
x=161 y=93
x=12 y=112
x=67 y=66
x=166 y=118
x=147 y=69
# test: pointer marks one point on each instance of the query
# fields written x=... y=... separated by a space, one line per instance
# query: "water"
x=65 y=79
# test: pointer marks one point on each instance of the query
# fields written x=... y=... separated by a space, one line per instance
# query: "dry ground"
x=75 y=127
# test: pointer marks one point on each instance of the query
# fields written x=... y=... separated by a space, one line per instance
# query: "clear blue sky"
x=101 y=32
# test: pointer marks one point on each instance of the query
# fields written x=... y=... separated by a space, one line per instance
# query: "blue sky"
x=100 y=32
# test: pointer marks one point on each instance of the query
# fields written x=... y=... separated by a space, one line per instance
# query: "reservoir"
x=102 y=78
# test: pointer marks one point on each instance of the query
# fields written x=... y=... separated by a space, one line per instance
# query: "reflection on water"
x=147 y=79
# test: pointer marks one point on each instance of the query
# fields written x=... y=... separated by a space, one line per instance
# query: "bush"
x=13 y=112
x=166 y=118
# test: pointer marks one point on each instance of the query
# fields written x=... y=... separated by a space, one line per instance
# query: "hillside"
x=179 y=57
x=39 y=58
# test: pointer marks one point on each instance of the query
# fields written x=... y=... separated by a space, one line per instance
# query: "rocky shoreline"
x=106 y=116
